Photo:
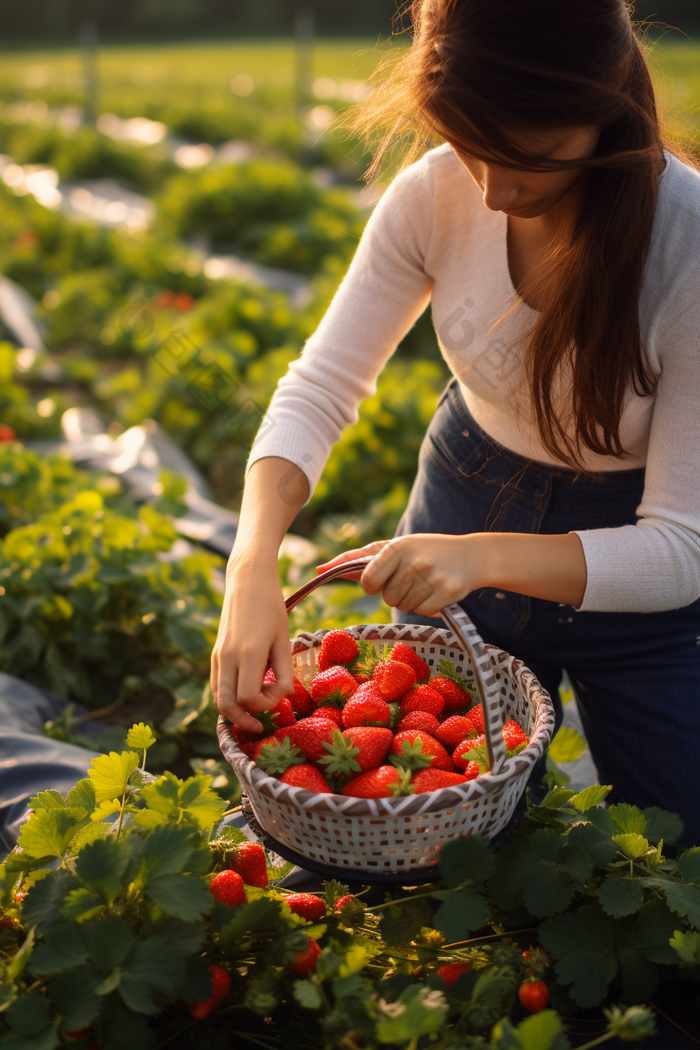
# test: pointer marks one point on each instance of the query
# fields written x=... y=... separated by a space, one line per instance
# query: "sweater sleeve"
x=383 y=293
x=655 y=565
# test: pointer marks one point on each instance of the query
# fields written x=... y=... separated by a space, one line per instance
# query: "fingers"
x=281 y=661
x=382 y=566
x=353 y=555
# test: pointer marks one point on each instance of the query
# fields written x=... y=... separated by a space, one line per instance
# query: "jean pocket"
x=457 y=451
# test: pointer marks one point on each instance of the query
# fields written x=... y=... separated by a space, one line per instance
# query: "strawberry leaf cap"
x=277 y=756
x=412 y=756
x=479 y=755
x=403 y=785
x=447 y=670
x=340 y=760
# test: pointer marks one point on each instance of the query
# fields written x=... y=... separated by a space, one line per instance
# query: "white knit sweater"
x=431 y=238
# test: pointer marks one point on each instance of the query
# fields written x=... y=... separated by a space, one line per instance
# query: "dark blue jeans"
x=636 y=675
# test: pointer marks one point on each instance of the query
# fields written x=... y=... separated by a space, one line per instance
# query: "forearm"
x=549 y=567
x=275 y=491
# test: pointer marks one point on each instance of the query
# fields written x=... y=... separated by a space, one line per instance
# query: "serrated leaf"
x=354 y=959
x=28 y=1014
x=47 y=800
x=80 y=905
x=649 y=932
x=684 y=899
x=46 y=1040
x=307 y=995
x=48 y=832
x=590 y=796
x=687 y=945
x=629 y=820
x=576 y=863
x=73 y=995
x=542 y=1031
x=166 y=851
x=184 y=896
x=82 y=794
x=660 y=824
x=599 y=846
x=620 y=897
x=466 y=860
x=567 y=745
x=400 y=923
x=60 y=950
x=107 y=810
x=152 y=967
x=192 y=801
x=631 y=845
x=100 y=866
x=689 y=865
x=110 y=774
x=460 y=914
x=84 y=836
x=260 y=914
x=42 y=903
x=108 y=942
x=582 y=942
x=557 y=797
x=140 y=736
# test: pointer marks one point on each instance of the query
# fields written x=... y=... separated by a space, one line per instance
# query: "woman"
x=557 y=492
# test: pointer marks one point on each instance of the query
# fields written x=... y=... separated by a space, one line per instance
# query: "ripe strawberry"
x=307 y=776
x=534 y=996
x=332 y=714
x=221 y=987
x=432 y=779
x=472 y=771
x=305 y=959
x=366 y=710
x=393 y=678
x=275 y=748
x=462 y=749
x=80 y=1033
x=409 y=656
x=298 y=698
x=342 y=901
x=357 y=749
x=454 y=730
x=450 y=972
x=332 y=687
x=415 y=749
x=419 y=720
x=308 y=905
x=360 y=676
x=7 y=433
x=311 y=734
x=382 y=782
x=228 y=888
x=451 y=686
x=422 y=698
x=476 y=717
x=367 y=688
x=514 y=736
x=242 y=737
x=249 y=860
x=337 y=647
x=276 y=717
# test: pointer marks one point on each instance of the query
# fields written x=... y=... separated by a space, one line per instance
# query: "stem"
x=102 y=712
x=236 y=809
x=400 y=900
x=143 y=761
x=674 y=1023
x=121 y=815
x=598 y=1041
x=489 y=937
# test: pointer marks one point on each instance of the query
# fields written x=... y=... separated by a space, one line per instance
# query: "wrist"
x=483 y=555
x=259 y=559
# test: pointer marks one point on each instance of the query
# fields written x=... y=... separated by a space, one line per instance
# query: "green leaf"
x=47 y=800
x=110 y=774
x=460 y=914
x=166 y=851
x=660 y=824
x=583 y=943
x=260 y=914
x=629 y=820
x=100 y=866
x=42 y=903
x=557 y=797
x=466 y=860
x=15 y=967
x=170 y=799
x=62 y=949
x=80 y=904
x=687 y=945
x=400 y=923
x=599 y=846
x=567 y=745
x=82 y=794
x=108 y=810
x=152 y=968
x=689 y=865
x=46 y=1040
x=307 y=995
x=48 y=832
x=590 y=796
x=28 y=1014
x=108 y=942
x=684 y=899
x=184 y=896
x=542 y=1031
x=649 y=933
x=620 y=897
x=90 y=833
x=417 y=1011
x=631 y=845
x=73 y=995
x=140 y=736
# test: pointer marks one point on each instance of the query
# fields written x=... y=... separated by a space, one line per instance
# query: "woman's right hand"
x=253 y=634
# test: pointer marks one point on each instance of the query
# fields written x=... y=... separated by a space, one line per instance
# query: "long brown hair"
x=479 y=67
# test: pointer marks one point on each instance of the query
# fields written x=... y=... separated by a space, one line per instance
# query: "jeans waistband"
x=567 y=474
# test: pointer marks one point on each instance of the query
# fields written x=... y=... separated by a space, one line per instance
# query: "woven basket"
x=395 y=835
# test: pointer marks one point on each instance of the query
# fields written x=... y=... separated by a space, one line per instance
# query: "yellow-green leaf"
x=110 y=774
x=631 y=845
x=105 y=810
x=140 y=736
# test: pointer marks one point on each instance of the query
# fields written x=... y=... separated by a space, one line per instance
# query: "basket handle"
x=469 y=639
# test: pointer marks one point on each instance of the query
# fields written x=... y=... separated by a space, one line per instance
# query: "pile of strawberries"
x=374 y=725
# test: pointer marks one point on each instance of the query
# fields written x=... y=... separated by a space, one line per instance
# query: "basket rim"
x=442 y=798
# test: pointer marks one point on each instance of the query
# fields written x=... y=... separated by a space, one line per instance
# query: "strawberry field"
x=160 y=268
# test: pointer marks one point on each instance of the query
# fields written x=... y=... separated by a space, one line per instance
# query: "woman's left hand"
x=419 y=573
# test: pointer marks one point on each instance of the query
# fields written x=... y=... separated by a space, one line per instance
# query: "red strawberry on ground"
x=534 y=996
x=337 y=647
x=308 y=905
x=306 y=959
x=422 y=698
x=332 y=687
x=382 y=782
x=476 y=717
x=221 y=987
x=433 y=779
x=419 y=720
x=415 y=749
x=515 y=738
x=450 y=972
x=393 y=678
x=310 y=735
x=462 y=749
x=366 y=710
x=249 y=860
x=355 y=750
x=308 y=777
x=409 y=656
x=454 y=730
x=228 y=888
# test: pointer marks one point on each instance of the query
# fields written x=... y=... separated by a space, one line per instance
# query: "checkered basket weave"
x=395 y=835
